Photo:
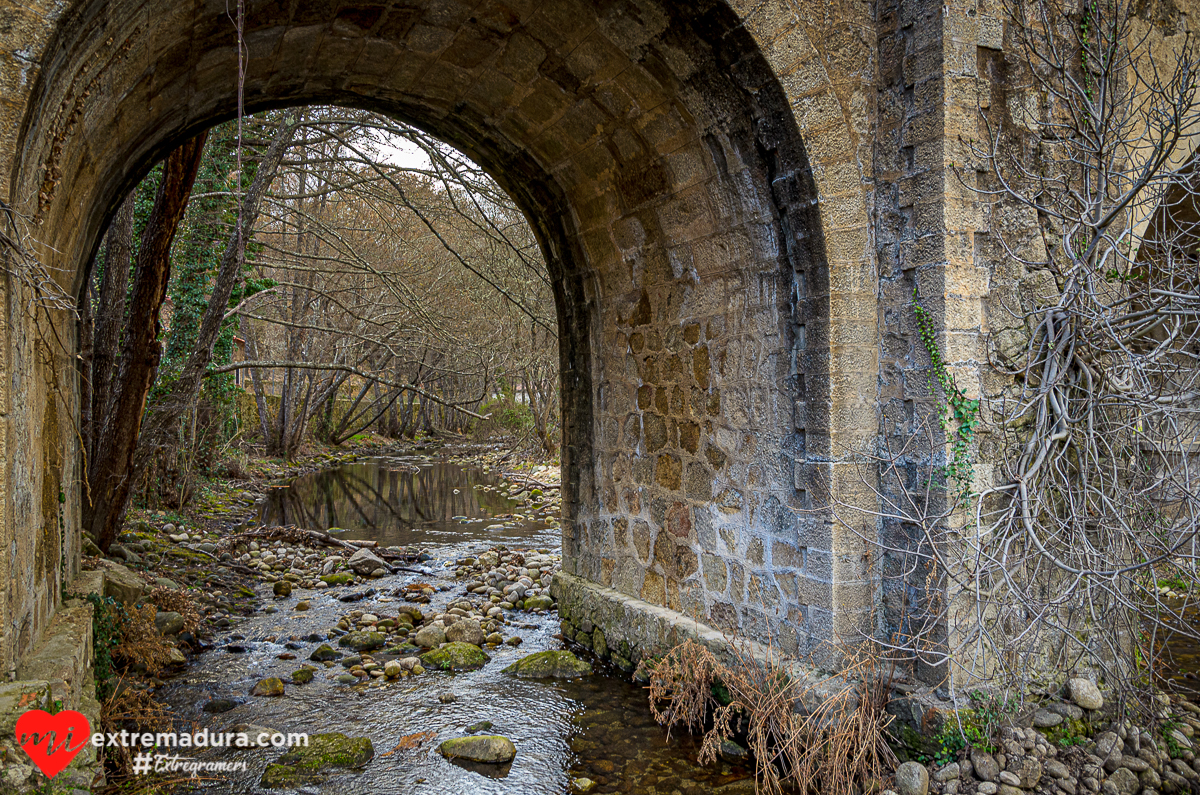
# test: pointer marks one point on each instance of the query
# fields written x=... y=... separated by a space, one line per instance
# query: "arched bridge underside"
x=696 y=181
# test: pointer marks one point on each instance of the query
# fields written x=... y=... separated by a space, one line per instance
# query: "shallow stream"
x=597 y=727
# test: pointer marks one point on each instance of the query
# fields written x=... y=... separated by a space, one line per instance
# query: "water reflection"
x=403 y=502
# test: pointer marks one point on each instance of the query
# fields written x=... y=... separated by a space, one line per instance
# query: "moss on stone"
x=456 y=657
x=308 y=764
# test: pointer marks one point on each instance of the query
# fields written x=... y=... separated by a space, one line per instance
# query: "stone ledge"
x=64 y=657
x=626 y=629
x=57 y=675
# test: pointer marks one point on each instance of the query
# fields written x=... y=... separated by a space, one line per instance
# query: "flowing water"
x=597 y=727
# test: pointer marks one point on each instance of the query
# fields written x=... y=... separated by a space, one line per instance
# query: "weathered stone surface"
x=122 y=584
x=325 y=653
x=1028 y=770
x=364 y=562
x=466 y=631
x=430 y=637
x=485 y=748
x=549 y=665
x=168 y=623
x=363 y=641
x=1045 y=719
x=455 y=657
x=1084 y=693
x=271 y=686
x=912 y=778
x=310 y=764
x=1124 y=781
x=984 y=765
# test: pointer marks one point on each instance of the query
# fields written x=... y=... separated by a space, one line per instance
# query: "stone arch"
x=658 y=157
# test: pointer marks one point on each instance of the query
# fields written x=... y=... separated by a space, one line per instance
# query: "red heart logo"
x=50 y=740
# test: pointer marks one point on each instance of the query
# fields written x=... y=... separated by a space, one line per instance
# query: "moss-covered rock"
x=302 y=676
x=363 y=641
x=309 y=764
x=549 y=665
x=456 y=657
x=341 y=578
x=325 y=653
x=271 y=686
x=487 y=748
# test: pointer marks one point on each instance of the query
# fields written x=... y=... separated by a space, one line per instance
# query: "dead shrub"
x=133 y=709
x=140 y=640
x=177 y=601
x=817 y=743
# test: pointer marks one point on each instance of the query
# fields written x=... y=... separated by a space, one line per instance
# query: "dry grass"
x=133 y=709
x=835 y=745
x=178 y=601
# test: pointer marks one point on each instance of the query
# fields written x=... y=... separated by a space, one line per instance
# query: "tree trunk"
x=111 y=473
x=162 y=421
x=109 y=320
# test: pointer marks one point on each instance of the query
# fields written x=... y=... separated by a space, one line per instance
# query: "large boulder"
x=549 y=665
x=486 y=748
x=455 y=657
x=308 y=764
x=466 y=631
x=364 y=562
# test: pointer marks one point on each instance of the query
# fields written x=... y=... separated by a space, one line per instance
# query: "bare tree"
x=1054 y=563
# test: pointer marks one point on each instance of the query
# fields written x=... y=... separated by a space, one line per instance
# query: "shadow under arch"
x=657 y=159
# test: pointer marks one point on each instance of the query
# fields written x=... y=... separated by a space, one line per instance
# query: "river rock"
x=466 y=631
x=168 y=623
x=364 y=562
x=539 y=602
x=1085 y=693
x=219 y=705
x=363 y=641
x=455 y=657
x=485 y=748
x=392 y=669
x=283 y=588
x=549 y=665
x=121 y=584
x=306 y=765
x=733 y=753
x=325 y=653
x=271 y=686
x=430 y=637
x=912 y=779
x=341 y=578
x=302 y=676
x=411 y=612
